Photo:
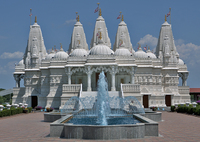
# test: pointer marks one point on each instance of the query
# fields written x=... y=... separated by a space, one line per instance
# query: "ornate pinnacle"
x=35 y=19
x=60 y=46
x=122 y=17
x=139 y=45
x=78 y=18
x=165 y=18
x=100 y=12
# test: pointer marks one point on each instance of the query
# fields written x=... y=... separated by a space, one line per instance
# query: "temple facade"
x=52 y=79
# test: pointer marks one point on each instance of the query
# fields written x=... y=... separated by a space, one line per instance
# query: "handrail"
x=122 y=93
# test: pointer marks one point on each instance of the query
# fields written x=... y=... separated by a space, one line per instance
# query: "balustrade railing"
x=130 y=88
x=71 y=87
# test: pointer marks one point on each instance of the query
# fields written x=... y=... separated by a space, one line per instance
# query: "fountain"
x=103 y=117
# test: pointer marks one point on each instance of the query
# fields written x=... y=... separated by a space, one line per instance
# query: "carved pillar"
x=184 y=79
x=113 y=72
x=89 y=73
x=16 y=76
x=133 y=75
x=69 y=73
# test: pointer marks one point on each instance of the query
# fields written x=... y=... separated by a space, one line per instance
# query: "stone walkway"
x=176 y=127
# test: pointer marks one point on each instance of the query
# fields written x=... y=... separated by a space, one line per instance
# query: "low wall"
x=155 y=116
x=52 y=116
x=140 y=130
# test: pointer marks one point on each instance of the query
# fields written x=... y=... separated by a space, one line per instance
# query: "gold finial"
x=100 y=36
x=100 y=12
x=139 y=45
x=52 y=48
x=78 y=18
x=148 y=48
x=35 y=19
x=122 y=17
x=60 y=46
x=165 y=18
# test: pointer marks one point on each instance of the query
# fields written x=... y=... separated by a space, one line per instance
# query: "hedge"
x=190 y=109
x=13 y=111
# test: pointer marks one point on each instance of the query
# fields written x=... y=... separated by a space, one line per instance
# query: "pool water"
x=110 y=121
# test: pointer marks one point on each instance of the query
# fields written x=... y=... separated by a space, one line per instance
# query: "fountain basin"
x=147 y=127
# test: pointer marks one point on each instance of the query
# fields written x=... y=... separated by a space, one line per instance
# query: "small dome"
x=21 y=63
x=122 y=52
x=49 y=56
x=150 y=54
x=101 y=49
x=180 y=62
x=79 y=53
x=140 y=54
x=61 y=55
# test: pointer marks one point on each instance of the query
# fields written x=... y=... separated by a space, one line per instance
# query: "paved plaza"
x=175 y=127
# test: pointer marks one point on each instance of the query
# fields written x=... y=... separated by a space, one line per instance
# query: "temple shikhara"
x=52 y=79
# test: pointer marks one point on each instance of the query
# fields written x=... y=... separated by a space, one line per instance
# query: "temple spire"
x=165 y=18
x=122 y=17
x=35 y=19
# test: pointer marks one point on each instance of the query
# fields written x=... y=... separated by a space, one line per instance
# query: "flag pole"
x=170 y=15
x=98 y=6
x=30 y=15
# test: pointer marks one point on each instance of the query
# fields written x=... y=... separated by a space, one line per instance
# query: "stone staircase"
x=94 y=93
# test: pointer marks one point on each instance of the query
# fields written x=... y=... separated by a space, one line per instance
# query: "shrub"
x=5 y=113
x=29 y=109
x=172 y=108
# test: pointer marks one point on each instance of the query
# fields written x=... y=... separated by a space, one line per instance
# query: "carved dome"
x=122 y=52
x=150 y=54
x=79 y=53
x=140 y=54
x=21 y=63
x=101 y=49
x=180 y=62
x=62 y=55
x=49 y=56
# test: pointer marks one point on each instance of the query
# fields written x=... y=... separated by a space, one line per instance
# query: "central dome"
x=101 y=49
x=122 y=52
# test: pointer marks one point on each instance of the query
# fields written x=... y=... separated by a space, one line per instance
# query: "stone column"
x=184 y=79
x=89 y=73
x=16 y=76
x=113 y=72
x=69 y=73
x=133 y=75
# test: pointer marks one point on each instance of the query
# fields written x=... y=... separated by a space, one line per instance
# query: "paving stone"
x=176 y=127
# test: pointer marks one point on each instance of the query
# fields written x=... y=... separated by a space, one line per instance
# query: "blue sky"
x=56 y=18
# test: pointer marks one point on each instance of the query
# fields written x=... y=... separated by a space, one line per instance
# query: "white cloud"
x=189 y=53
x=149 y=40
x=71 y=21
x=8 y=68
x=15 y=55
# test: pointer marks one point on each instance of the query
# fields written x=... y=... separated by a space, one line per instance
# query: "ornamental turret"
x=35 y=50
x=100 y=26
x=166 y=49
x=78 y=39
x=122 y=39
